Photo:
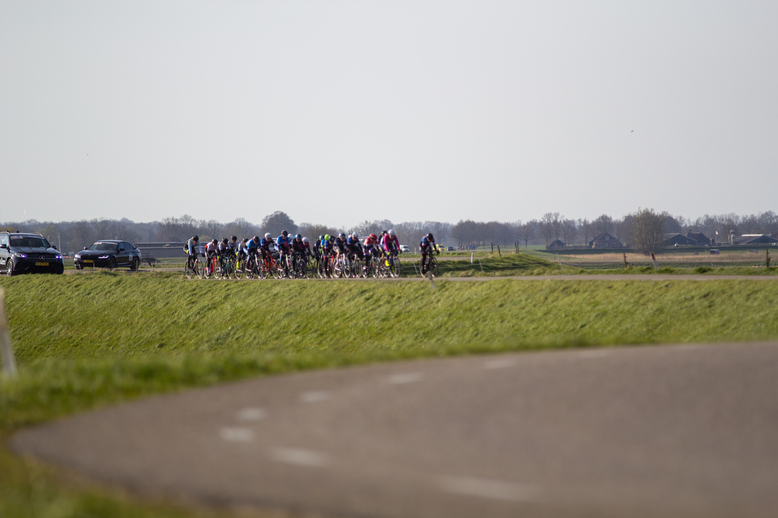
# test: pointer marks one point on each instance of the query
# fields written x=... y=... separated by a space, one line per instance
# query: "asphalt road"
x=646 y=431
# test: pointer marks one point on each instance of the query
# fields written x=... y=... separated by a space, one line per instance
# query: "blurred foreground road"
x=651 y=431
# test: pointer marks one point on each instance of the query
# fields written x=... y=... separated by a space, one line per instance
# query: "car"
x=404 y=249
x=108 y=253
x=452 y=249
x=22 y=252
x=440 y=248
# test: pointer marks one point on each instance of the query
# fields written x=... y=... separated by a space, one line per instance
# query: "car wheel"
x=9 y=268
x=135 y=264
x=112 y=264
x=78 y=266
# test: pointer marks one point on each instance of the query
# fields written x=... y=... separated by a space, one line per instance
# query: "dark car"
x=28 y=253
x=108 y=253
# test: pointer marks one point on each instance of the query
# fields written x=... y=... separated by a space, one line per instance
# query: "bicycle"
x=193 y=268
x=432 y=266
x=228 y=267
x=212 y=268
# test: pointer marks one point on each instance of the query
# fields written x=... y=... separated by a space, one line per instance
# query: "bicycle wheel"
x=189 y=270
x=207 y=270
x=397 y=267
x=434 y=267
x=199 y=270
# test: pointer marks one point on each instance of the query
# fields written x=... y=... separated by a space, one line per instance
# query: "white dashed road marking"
x=300 y=457
x=236 y=434
x=501 y=363
x=488 y=489
x=251 y=414
x=593 y=354
x=314 y=396
x=400 y=379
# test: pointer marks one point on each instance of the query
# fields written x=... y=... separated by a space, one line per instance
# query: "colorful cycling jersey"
x=354 y=246
x=211 y=248
x=341 y=244
x=226 y=249
x=283 y=242
x=191 y=246
x=252 y=247
x=266 y=244
x=300 y=247
x=326 y=245
x=390 y=243
x=426 y=244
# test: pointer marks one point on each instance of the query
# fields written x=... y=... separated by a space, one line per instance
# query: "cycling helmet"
x=391 y=232
x=342 y=235
x=429 y=236
x=327 y=237
x=355 y=235
x=284 y=233
x=224 y=240
x=195 y=238
x=256 y=238
x=373 y=236
x=214 y=241
x=298 y=237
x=234 y=238
x=268 y=236
x=321 y=237
x=305 y=240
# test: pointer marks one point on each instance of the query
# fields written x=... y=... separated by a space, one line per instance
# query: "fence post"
x=492 y=246
x=767 y=258
x=498 y=251
x=9 y=363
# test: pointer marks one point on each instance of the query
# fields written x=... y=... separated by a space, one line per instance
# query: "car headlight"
x=59 y=257
x=20 y=256
x=103 y=257
x=77 y=256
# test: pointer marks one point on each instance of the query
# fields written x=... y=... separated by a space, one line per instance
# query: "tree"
x=526 y=231
x=569 y=231
x=278 y=221
x=648 y=231
x=602 y=225
x=241 y=228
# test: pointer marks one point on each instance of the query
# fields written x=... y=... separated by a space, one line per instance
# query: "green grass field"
x=85 y=341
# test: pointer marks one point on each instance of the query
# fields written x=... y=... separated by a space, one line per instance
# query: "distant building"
x=605 y=241
x=557 y=244
x=755 y=239
x=700 y=238
x=676 y=239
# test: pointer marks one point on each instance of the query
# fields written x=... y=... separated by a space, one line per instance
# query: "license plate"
x=88 y=261
x=41 y=264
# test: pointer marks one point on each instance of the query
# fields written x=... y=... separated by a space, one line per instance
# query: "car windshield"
x=29 y=241
x=100 y=246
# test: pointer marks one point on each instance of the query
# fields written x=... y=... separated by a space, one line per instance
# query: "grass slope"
x=92 y=340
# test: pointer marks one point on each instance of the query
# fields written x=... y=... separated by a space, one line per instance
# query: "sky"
x=337 y=112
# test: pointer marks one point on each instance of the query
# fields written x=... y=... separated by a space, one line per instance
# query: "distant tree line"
x=74 y=235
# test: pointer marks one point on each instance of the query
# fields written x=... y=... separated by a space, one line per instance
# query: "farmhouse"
x=699 y=238
x=755 y=239
x=605 y=241
x=676 y=239
x=557 y=244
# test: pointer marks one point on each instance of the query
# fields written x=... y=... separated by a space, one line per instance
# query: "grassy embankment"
x=90 y=340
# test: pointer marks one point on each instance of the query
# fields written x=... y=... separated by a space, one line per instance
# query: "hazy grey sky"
x=342 y=111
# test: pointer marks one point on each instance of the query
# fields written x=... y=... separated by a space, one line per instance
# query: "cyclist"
x=226 y=249
x=266 y=245
x=391 y=246
x=354 y=247
x=316 y=247
x=427 y=246
x=300 y=250
x=284 y=244
x=340 y=244
x=327 y=248
x=371 y=248
x=211 y=251
x=191 y=250
x=243 y=252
